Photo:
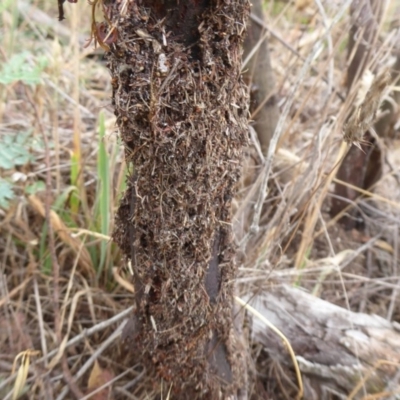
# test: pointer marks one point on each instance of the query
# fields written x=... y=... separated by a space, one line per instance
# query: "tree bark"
x=335 y=348
x=181 y=109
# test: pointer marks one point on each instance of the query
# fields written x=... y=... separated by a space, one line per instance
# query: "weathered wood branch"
x=336 y=348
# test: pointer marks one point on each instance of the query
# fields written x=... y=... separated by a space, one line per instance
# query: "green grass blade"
x=103 y=197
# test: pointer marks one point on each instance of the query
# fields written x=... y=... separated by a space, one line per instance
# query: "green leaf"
x=21 y=67
x=35 y=187
x=6 y=4
x=104 y=189
x=14 y=150
x=6 y=193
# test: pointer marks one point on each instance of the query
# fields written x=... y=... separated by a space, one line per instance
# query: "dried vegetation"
x=64 y=293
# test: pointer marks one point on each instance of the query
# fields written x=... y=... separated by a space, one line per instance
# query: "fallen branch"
x=338 y=351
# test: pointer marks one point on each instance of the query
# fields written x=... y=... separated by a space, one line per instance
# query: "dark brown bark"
x=181 y=109
x=361 y=168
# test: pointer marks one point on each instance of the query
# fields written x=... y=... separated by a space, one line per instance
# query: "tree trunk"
x=365 y=16
x=359 y=168
x=181 y=109
x=385 y=127
x=335 y=348
x=260 y=78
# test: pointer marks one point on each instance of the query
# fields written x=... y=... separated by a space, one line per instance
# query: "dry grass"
x=295 y=224
x=59 y=293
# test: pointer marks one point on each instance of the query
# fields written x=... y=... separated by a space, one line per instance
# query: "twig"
x=330 y=48
x=84 y=334
x=68 y=98
x=395 y=272
x=92 y=359
x=259 y=21
x=89 y=332
x=13 y=292
x=254 y=50
x=256 y=143
x=134 y=381
x=80 y=232
x=68 y=378
x=284 y=339
x=52 y=248
x=40 y=318
x=109 y=383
